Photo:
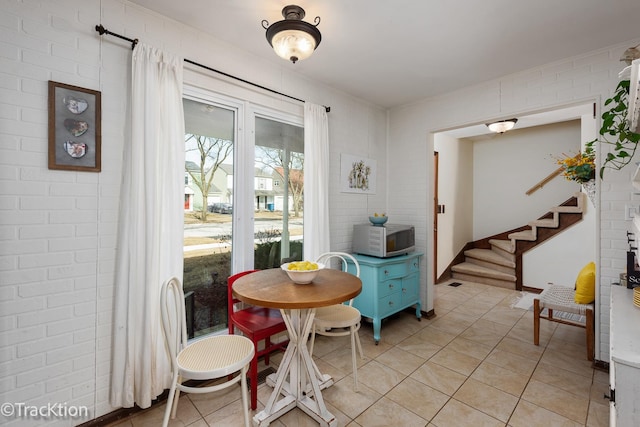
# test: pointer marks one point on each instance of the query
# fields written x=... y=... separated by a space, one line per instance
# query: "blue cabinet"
x=389 y=285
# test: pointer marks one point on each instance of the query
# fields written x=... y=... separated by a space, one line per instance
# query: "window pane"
x=209 y=140
x=279 y=195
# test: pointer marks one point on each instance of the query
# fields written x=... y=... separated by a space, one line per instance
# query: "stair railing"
x=546 y=179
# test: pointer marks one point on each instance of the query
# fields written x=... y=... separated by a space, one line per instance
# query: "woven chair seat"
x=215 y=357
x=561 y=298
x=337 y=316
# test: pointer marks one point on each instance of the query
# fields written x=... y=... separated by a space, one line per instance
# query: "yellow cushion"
x=586 y=285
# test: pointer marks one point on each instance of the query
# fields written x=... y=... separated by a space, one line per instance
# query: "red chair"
x=257 y=324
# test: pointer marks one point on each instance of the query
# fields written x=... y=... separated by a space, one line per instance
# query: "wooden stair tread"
x=490 y=256
x=528 y=235
x=505 y=245
x=546 y=222
x=476 y=270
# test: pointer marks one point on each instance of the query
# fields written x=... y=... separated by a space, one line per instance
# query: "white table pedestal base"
x=298 y=382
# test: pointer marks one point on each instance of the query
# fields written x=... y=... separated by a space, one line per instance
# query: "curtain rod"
x=101 y=30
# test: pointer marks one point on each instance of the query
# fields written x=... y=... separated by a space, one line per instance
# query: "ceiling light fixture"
x=501 y=126
x=292 y=38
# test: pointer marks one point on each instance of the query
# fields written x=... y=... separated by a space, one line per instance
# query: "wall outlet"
x=630 y=212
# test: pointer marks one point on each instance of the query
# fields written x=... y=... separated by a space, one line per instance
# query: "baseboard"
x=601 y=365
x=428 y=314
x=123 y=413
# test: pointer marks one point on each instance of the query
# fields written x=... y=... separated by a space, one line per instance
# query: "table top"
x=272 y=288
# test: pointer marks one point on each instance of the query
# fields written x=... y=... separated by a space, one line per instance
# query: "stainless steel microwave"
x=383 y=241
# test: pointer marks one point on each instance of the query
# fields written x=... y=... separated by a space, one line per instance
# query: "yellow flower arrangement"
x=580 y=168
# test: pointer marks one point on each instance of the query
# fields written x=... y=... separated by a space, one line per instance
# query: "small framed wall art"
x=357 y=174
x=74 y=128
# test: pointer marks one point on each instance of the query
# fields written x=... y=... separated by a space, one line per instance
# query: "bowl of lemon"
x=378 y=219
x=302 y=272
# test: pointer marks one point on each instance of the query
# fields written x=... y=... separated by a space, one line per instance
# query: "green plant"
x=615 y=131
x=580 y=168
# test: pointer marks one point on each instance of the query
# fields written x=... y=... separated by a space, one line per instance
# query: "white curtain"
x=316 y=181
x=150 y=235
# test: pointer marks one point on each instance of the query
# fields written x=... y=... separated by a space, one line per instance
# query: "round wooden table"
x=298 y=381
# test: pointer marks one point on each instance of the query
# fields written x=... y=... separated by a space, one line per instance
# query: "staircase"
x=497 y=261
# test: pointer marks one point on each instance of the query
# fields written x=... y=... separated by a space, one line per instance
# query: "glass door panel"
x=279 y=192
x=209 y=144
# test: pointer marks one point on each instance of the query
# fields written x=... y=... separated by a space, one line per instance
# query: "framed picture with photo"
x=74 y=128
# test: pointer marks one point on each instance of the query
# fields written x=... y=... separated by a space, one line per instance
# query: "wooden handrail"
x=548 y=178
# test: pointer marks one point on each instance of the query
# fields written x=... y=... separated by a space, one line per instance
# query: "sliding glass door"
x=243 y=201
x=210 y=135
x=278 y=193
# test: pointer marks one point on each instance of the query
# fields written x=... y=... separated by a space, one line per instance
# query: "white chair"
x=339 y=319
x=205 y=359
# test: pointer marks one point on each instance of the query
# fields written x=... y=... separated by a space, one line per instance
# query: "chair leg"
x=267 y=347
x=253 y=376
x=358 y=341
x=353 y=359
x=590 y=335
x=536 y=321
x=245 y=397
x=170 y=399
x=176 y=399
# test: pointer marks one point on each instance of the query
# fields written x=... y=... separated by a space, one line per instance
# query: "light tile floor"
x=473 y=364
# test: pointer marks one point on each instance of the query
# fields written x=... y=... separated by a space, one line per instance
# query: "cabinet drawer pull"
x=386 y=272
x=391 y=286
x=390 y=303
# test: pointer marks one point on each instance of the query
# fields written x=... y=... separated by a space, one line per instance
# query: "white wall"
x=58 y=228
x=455 y=192
x=506 y=166
x=559 y=260
x=584 y=78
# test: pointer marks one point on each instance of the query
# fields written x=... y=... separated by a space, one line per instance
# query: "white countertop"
x=625 y=327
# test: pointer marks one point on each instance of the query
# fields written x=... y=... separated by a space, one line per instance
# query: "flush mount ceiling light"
x=292 y=38
x=501 y=126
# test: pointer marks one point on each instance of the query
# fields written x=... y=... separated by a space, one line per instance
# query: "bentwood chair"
x=340 y=319
x=220 y=357
x=257 y=324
